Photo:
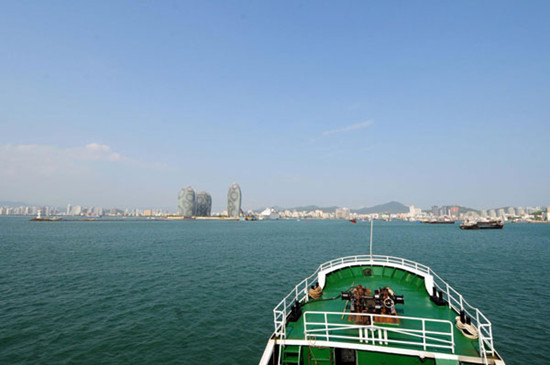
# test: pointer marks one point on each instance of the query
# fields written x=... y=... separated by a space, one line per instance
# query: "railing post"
x=305 y=326
x=326 y=326
x=424 y=334
x=284 y=313
x=452 y=338
x=492 y=344
x=449 y=297
x=481 y=345
x=275 y=322
x=487 y=340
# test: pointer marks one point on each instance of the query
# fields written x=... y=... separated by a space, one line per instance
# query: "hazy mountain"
x=309 y=208
x=461 y=210
x=391 y=208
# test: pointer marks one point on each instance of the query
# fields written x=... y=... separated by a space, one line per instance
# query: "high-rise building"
x=186 y=201
x=520 y=211
x=234 y=201
x=341 y=213
x=76 y=210
x=203 y=205
x=454 y=211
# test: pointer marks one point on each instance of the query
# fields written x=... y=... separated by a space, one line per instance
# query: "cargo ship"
x=374 y=309
x=482 y=225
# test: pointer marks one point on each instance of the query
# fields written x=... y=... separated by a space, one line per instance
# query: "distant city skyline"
x=388 y=211
x=447 y=209
x=121 y=104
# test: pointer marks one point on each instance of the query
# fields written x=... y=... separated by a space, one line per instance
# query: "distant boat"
x=353 y=220
x=39 y=218
x=444 y=220
x=269 y=214
x=482 y=225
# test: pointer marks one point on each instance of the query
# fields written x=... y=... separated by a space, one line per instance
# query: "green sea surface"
x=202 y=292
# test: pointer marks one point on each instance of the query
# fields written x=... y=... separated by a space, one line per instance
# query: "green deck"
x=417 y=304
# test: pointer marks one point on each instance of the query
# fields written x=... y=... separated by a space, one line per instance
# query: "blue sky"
x=122 y=103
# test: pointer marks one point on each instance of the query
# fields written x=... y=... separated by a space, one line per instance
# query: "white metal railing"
x=376 y=259
x=299 y=294
x=458 y=303
x=410 y=331
x=455 y=300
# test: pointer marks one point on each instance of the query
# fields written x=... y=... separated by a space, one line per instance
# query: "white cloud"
x=96 y=151
x=42 y=173
x=349 y=128
x=97 y=147
x=45 y=160
x=35 y=161
x=29 y=160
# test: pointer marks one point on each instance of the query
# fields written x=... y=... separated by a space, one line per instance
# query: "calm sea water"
x=202 y=292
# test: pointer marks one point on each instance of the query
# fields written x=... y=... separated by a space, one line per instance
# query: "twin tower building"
x=200 y=204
